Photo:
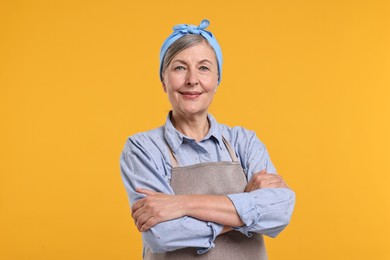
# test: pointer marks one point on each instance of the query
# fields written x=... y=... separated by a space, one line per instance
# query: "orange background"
x=312 y=78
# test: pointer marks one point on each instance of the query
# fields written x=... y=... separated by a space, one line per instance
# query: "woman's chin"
x=193 y=111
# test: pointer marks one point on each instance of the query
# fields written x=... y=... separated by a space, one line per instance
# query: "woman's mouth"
x=190 y=94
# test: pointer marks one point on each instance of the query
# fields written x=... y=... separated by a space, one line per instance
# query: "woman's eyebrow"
x=205 y=60
x=180 y=61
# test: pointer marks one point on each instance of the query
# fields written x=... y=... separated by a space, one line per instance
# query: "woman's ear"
x=163 y=86
x=215 y=89
x=216 y=86
x=163 y=83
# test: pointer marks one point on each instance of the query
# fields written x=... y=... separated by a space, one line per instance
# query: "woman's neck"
x=195 y=127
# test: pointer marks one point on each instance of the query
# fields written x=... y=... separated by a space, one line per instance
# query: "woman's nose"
x=191 y=78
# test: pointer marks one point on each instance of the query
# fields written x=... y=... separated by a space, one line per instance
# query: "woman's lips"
x=191 y=95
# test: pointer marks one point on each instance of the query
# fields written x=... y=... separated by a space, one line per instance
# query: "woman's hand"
x=263 y=180
x=155 y=208
x=158 y=207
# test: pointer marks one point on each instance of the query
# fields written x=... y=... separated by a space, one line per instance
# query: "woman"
x=200 y=189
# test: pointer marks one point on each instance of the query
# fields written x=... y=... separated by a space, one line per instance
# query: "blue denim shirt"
x=145 y=163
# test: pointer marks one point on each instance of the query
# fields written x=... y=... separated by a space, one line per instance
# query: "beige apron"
x=218 y=178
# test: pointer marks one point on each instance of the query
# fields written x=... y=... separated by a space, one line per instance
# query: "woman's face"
x=191 y=80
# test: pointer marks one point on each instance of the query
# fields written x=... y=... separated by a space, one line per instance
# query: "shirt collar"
x=174 y=138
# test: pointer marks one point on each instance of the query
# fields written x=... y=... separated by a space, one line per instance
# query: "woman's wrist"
x=213 y=208
x=190 y=204
x=226 y=229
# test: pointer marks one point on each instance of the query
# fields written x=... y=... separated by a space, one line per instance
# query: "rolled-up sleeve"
x=142 y=166
x=267 y=211
x=183 y=232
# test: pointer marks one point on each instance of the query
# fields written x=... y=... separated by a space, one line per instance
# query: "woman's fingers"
x=152 y=221
x=155 y=208
x=144 y=222
x=263 y=180
x=276 y=182
x=139 y=203
x=136 y=206
x=142 y=215
x=137 y=213
x=145 y=191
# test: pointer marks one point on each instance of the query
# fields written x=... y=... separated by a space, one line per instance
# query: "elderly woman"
x=200 y=189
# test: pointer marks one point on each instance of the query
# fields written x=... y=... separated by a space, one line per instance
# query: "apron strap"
x=230 y=150
x=174 y=161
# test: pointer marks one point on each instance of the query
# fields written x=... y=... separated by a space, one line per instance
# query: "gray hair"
x=179 y=45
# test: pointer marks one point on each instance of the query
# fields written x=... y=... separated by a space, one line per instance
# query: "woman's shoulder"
x=237 y=133
x=148 y=140
x=146 y=149
x=242 y=139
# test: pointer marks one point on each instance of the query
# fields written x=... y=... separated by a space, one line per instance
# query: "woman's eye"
x=179 y=68
x=204 y=68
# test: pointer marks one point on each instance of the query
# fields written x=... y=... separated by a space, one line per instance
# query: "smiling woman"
x=191 y=80
x=200 y=189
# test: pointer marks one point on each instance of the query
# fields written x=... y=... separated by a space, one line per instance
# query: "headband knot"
x=182 y=29
x=191 y=29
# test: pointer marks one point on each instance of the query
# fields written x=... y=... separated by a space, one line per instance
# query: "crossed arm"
x=159 y=207
x=264 y=207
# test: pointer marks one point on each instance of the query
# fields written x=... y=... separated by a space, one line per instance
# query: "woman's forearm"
x=213 y=208
x=159 y=207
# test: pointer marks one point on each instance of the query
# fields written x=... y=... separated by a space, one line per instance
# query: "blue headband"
x=182 y=29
